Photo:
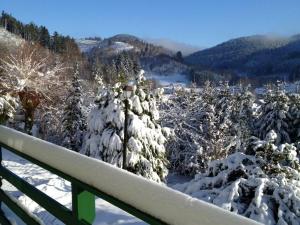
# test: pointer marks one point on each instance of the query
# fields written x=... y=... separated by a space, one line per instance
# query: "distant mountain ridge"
x=153 y=58
x=137 y=43
x=234 y=49
x=258 y=55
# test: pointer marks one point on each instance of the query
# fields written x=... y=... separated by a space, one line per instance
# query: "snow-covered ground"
x=85 y=45
x=115 y=47
x=288 y=87
x=60 y=190
x=57 y=188
x=119 y=46
x=168 y=80
x=9 y=39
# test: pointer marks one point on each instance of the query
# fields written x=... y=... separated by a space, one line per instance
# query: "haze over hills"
x=186 y=49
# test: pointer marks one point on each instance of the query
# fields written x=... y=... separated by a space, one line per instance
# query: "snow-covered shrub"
x=7 y=107
x=262 y=184
x=146 y=138
x=73 y=118
x=208 y=125
x=181 y=113
x=35 y=74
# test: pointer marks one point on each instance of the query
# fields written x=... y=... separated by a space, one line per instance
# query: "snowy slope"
x=112 y=48
x=120 y=46
x=9 y=39
x=85 y=45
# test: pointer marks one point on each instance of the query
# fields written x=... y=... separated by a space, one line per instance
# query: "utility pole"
x=125 y=135
x=128 y=89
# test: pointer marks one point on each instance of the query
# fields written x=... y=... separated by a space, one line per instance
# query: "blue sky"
x=197 y=22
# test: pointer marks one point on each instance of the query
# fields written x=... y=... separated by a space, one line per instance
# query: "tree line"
x=38 y=34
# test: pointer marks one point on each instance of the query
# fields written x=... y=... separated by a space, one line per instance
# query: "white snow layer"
x=119 y=46
x=105 y=131
x=10 y=39
x=170 y=79
x=159 y=201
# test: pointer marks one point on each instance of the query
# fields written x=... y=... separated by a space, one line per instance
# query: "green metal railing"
x=83 y=198
x=146 y=200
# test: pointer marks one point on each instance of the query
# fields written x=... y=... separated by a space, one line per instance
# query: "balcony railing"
x=146 y=200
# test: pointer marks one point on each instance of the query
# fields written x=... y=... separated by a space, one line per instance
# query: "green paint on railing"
x=55 y=208
x=83 y=204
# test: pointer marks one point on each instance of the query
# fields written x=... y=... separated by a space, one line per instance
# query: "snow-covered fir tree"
x=146 y=138
x=224 y=107
x=262 y=184
x=243 y=117
x=74 y=123
x=294 y=115
x=274 y=114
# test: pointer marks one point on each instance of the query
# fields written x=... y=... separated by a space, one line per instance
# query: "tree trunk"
x=29 y=119
x=30 y=101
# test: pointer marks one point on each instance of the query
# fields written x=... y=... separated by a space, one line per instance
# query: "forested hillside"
x=256 y=58
x=38 y=34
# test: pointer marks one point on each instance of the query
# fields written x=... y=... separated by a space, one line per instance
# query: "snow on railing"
x=151 y=202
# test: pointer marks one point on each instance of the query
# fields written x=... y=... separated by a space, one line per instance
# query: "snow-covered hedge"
x=262 y=184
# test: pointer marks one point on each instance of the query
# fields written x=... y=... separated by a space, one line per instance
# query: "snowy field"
x=86 y=45
x=57 y=188
x=168 y=80
x=119 y=46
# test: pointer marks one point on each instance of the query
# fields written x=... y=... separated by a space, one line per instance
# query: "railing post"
x=2 y=216
x=83 y=204
x=0 y=176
